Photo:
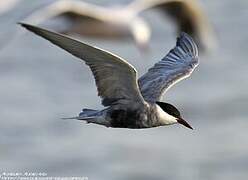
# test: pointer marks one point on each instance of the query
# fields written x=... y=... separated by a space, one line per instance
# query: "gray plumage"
x=129 y=105
x=175 y=66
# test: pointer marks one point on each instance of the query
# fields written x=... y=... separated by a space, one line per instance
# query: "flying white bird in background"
x=120 y=22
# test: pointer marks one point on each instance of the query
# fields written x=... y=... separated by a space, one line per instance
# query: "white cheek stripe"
x=164 y=117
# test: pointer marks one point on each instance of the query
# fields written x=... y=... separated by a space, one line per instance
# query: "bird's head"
x=173 y=111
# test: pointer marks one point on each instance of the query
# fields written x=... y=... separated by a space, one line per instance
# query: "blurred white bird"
x=129 y=102
x=119 y=22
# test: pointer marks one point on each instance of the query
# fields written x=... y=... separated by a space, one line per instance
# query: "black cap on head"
x=172 y=110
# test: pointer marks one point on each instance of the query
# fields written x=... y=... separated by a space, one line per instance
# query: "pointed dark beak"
x=183 y=122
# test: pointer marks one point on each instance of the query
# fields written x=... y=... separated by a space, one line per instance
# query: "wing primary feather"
x=175 y=66
x=115 y=78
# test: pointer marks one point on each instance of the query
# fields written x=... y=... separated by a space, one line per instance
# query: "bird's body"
x=128 y=116
x=125 y=21
x=130 y=102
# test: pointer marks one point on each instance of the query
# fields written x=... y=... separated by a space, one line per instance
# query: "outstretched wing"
x=187 y=14
x=175 y=66
x=115 y=78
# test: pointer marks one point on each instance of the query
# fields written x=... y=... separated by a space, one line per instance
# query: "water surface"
x=41 y=83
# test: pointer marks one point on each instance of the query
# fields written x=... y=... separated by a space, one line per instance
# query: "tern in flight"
x=130 y=102
x=125 y=21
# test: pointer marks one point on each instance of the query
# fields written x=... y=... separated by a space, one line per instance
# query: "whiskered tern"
x=130 y=102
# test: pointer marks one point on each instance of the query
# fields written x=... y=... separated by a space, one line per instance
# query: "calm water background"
x=41 y=83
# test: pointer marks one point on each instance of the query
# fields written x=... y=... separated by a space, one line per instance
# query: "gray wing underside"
x=175 y=66
x=116 y=79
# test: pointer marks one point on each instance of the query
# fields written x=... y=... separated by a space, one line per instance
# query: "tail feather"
x=95 y=120
x=86 y=114
x=78 y=118
x=91 y=116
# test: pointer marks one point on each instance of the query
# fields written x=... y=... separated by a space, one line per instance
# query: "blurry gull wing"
x=71 y=10
x=77 y=13
x=91 y=20
x=188 y=15
x=80 y=18
x=115 y=78
x=178 y=64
